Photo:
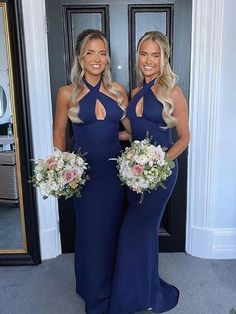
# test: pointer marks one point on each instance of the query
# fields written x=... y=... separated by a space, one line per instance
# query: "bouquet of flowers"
x=144 y=166
x=60 y=174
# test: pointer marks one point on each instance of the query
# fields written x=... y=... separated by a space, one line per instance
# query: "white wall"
x=225 y=187
x=211 y=223
x=224 y=218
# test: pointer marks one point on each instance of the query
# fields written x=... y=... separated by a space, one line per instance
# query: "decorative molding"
x=207 y=28
x=201 y=241
x=41 y=115
x=224 y=243
x=219 y=243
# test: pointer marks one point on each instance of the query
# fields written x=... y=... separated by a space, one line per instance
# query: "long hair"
x=166 y=79
x=77 y=72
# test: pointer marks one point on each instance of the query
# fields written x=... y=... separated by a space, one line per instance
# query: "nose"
x=97 y=57
x=148 y=59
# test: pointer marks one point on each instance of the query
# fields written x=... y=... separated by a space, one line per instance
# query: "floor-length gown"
x=98 y=211
x=137 y=285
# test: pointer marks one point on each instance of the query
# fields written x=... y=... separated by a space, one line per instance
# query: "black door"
x=123 y=22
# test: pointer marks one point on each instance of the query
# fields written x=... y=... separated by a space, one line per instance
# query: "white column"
x=41 y=115
x=207 y=25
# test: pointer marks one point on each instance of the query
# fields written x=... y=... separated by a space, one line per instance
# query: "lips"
x=96 y=66
x=148 y=68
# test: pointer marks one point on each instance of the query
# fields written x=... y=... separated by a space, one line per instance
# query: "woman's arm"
x=126 y=134
x=61 y=117
x=182 y=127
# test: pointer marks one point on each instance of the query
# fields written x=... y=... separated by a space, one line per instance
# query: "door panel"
x=143 y=18
x=75 y=20
x=123 y=22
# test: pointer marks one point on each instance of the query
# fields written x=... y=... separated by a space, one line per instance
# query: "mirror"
x=12 y=225
x=3 y=102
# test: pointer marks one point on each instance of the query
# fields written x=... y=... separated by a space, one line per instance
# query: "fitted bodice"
x=99 y=138
x=151 y=122
x=113 y=112
x=91 y=128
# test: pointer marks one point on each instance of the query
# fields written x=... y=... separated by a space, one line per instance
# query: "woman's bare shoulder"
x=123 y=92
x=64 y=95
x=176 y=91
x=65 y=90
x=134 y=91
x=178 y=98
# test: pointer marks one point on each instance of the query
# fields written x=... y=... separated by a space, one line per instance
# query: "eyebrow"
x=91 y=50
x=153 y=53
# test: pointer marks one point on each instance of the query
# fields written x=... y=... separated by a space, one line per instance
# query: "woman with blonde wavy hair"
x=95 y=105
x=157 y=106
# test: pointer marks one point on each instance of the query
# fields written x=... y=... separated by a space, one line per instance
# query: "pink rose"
x=137 y=170
x=52 y=165
x=68 y=175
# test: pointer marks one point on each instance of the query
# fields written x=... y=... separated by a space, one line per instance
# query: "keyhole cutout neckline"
x=96 y=105
x=140 y=103
x=100 y=111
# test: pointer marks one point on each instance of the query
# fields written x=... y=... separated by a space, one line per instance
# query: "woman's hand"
x=124 y=136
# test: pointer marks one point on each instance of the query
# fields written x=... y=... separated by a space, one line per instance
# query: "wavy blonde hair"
x=167 y=78
x=77 y=72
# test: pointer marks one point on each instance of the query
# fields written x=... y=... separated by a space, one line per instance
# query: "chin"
x=148 y=75
x=96 y=73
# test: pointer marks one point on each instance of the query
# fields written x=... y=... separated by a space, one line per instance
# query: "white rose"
x=160 y=154
x=142 y=160
x=161 y=162
x=79 y=171
x=54 y=187
x=80 y=161
x=60 y=164
x=39 y=177
x=150 y=163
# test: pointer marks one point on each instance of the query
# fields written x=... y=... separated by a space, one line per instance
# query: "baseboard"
x=217 y=243
x=224 y=243
x=201 y=242
x=49 y=245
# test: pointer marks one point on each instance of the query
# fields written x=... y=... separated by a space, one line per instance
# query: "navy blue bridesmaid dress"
x=98 y=211
x=137 y=285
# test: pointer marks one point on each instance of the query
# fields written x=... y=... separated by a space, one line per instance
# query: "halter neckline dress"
x=99 y=210
x=137 y=285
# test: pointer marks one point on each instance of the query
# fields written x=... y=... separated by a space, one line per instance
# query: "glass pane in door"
x=81 y=21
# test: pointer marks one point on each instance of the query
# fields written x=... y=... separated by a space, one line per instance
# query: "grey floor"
x=206 y=286
x=10 y=228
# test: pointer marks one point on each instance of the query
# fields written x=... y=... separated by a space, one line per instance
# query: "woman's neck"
x=148 y=79
x=92 y=79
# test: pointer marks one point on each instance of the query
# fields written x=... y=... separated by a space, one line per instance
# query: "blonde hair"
x=166 y=79
x=77 y=72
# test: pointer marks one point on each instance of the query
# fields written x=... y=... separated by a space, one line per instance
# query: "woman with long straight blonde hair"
x=95 y=105
x=157 y=106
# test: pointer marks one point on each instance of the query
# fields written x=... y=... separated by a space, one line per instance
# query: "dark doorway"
x=123 y=22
